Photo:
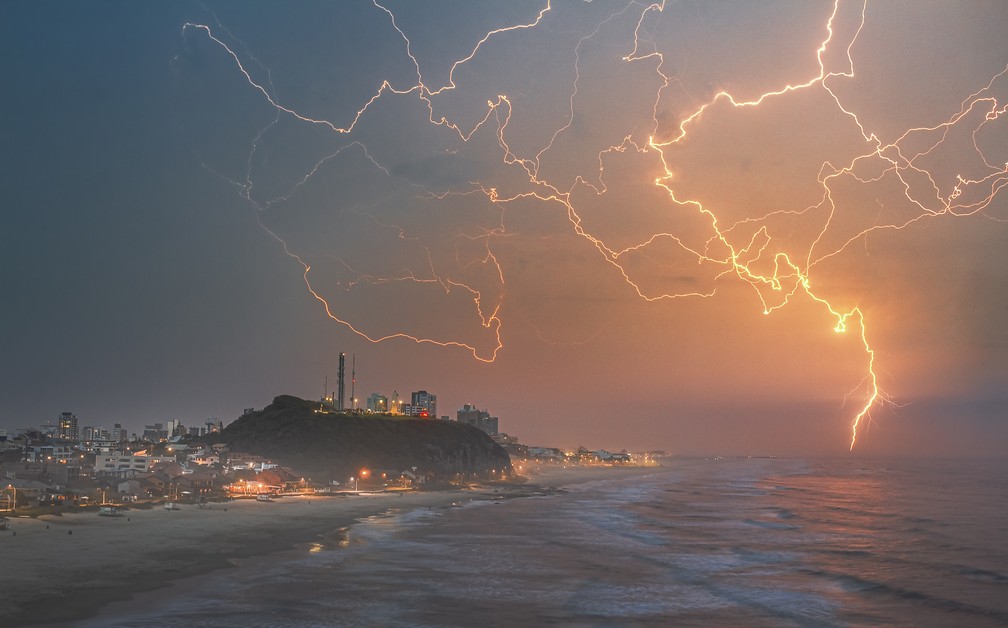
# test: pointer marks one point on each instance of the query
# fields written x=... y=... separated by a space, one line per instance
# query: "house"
x=129 y=487
x=24 y=491
x=606 y=456
x=270 y=479
x=198 y=484
x=239 y=460
x=171 y=469
x=414 y=477
x=84 y=486
x=204 y=458
x=545 y=453
x=155 y=484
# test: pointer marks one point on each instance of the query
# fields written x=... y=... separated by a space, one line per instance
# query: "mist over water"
x=765 y=542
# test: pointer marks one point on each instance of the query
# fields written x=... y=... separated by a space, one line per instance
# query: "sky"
x=707 y=228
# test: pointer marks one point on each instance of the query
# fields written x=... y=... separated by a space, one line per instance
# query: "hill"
x=336 y=446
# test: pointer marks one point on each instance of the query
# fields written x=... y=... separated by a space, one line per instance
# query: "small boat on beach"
x=171 y=506
x=263 y=497
x=110 y=510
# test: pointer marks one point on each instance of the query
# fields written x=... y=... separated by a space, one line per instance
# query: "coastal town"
x=297 y=476
x=64 y=465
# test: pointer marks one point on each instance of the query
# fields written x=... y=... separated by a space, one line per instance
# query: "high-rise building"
x=422 y=403
x=479 y=419
x=155 y=433
x=68 y=426
x=90 y=433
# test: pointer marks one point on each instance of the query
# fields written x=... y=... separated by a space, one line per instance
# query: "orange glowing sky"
x=619 y=224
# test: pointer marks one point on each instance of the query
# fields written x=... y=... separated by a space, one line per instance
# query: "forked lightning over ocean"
x=747 y=250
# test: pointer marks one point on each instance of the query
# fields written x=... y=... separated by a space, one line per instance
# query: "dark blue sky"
x=140 y=286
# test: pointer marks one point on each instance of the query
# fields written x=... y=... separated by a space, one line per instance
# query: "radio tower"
x=339 y=385
x=353 y=381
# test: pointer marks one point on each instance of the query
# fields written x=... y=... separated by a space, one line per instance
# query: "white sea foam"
x=738 y=542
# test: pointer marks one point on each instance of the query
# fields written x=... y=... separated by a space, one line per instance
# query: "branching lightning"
x=742 y=250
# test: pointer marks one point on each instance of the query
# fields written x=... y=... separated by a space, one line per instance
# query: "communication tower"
x=340 y=385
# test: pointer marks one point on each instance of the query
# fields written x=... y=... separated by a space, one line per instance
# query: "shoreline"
x=69 y=568
x=79 y=566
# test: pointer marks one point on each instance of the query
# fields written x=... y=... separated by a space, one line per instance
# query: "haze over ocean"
x=733 y=542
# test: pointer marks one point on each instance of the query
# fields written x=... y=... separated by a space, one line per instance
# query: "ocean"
x=732 y=542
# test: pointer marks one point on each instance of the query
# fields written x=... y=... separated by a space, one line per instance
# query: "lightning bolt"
x=745 y=250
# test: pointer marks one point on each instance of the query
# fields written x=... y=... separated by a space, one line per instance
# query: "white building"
x=204 y=458
x=117 y=463
x=50 y=453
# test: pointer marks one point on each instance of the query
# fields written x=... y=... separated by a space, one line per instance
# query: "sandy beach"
x=57 y=569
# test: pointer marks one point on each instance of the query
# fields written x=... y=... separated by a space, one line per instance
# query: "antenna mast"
x=342 y=356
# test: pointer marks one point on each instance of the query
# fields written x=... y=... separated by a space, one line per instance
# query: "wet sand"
x=59 y=568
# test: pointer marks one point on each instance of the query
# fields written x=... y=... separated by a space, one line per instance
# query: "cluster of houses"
x=581 y=456
x=41 y=471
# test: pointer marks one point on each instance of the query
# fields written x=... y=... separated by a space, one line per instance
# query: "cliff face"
x=336 y=446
